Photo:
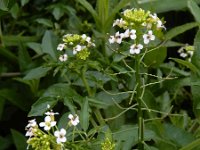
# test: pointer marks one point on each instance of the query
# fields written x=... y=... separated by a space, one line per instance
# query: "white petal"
x=47 y=119
x=56 y=133
x=47 y=128
x=63 y=131
x=42 y=124
x=63 y=139
x=137 y=51
x=132 y=51
x=70 y=116
x=53 y=123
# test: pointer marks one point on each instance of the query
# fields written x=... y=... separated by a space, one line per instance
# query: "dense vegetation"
x=104 y=85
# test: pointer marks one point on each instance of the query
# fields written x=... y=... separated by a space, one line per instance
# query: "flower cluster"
x=186 y=52
x=138 y=26
x=47 y=140
x=78 y=44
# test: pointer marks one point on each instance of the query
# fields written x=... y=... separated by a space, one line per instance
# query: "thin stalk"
x=96 y=111
x=139 y=101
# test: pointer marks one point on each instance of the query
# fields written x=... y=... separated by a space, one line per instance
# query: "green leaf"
x=84 y=115
x=89 y=7
x=186 y=64
x=37 y=73
x=49 y=44
x=180 y=29
x=195 y=10
x=19 y=140
x=191 y=145
x=8 y=55
x=24 y=2
x=195 y=77
x=45 y=22
x=160 y=6
x=15 y=11
x=156 y=57
x=14 y=40
x=36 y=47
x=40 y=106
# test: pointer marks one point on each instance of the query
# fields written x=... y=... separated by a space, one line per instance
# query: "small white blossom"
x=63 y=58
x=74 y=120
x=184 y=55
x=160 y=24
x=60 y=136
x=48 y=123
x=149 y=36
x=51 y=113
x=119 y=22
x=32 y=123
x=136 y=48
x=117 y=38
x=130 y=33
x=30 y=132
x=60 y=47
x=154 y=16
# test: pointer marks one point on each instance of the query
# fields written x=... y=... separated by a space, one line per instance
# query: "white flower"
x=51 y=113
x=183 y=54
x=111 y=39
x=60 y=136
x=149 y=36
x=30 y=132
x=32 y=123
x=119 y=22
x=154 y=16
x=160 y=24
x=60 y=47
x=74 y=120
x=131 y=34
x=48 y=123
x=78 y=48
x=135 y=49
x=63 y=58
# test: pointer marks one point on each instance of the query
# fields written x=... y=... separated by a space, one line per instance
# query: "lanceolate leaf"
x=19 y=140
x=180 y=29
x=195 y=10
x=187 y=64
x=84 y=116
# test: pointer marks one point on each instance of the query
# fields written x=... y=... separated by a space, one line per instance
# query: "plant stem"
x=139 y=101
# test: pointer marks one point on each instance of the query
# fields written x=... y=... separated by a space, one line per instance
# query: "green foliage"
x=102 y=89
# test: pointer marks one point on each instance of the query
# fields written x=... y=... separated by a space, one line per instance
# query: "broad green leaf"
x=195 y=10
x=156 y=57
x=176 y=135
x=64 y=92
x=58 y=12
x=13 y=97
x=180 y=29
x=45 y=22
x=36 y=47
x=84 y=115
x=63 y=120
x=40 y=106
x=160 y=6
x=191 y=145
x=112 y=98
x=186 y=64
x=15 y=11
x=49 y=44
x=19 y=140
x=37 y=73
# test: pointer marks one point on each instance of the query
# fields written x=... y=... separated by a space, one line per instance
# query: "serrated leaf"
x=40 y=106
x=37 y=73
x=84 y=115
x=19 y=140
x=180 y=29
x=195 y=10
